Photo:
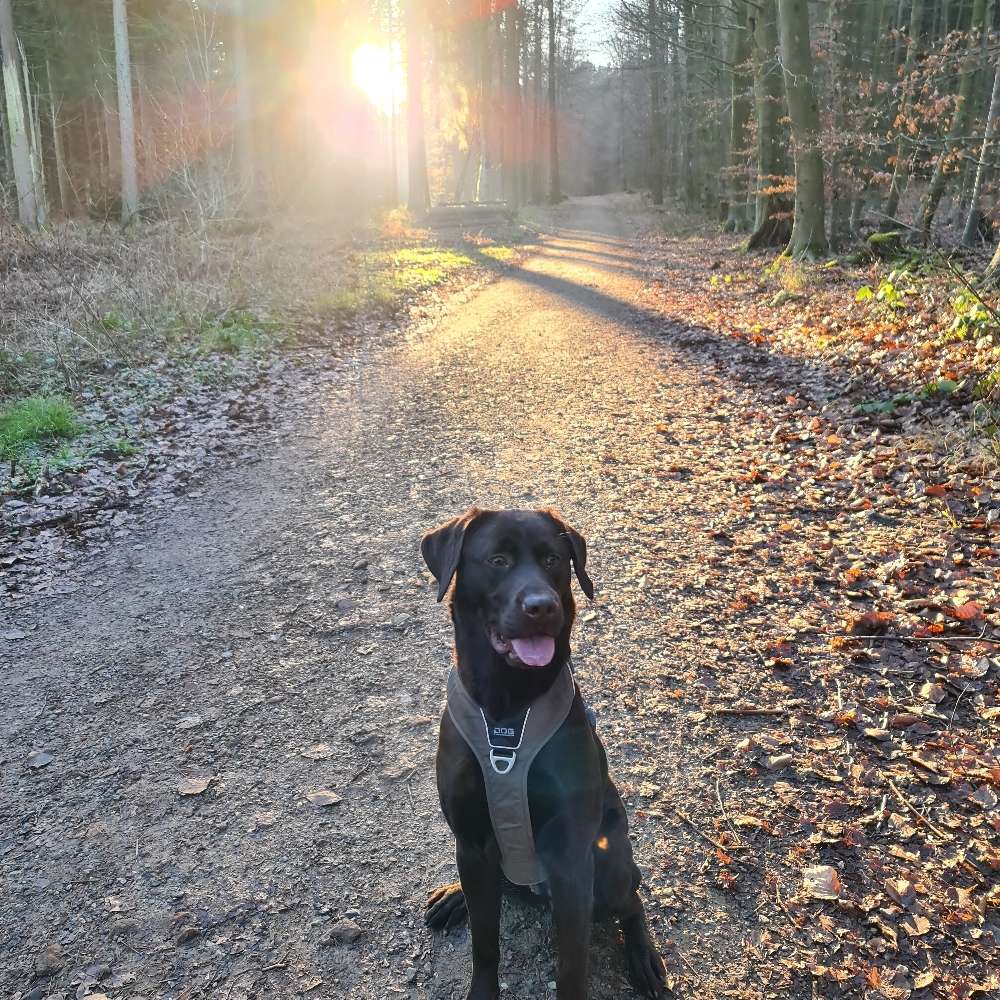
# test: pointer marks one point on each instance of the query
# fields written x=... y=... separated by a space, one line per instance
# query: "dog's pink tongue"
x=536 y=651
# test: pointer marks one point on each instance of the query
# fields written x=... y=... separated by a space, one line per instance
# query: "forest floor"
x=793 y=652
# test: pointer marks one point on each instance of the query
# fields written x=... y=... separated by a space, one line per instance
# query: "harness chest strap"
x=505 y=751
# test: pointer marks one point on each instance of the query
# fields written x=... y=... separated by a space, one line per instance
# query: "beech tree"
x=808 y=227
x=126 y=119
x=30 y=199
x=772 y=220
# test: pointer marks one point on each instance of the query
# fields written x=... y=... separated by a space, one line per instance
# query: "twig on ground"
x=746 y=710
x=357 y=774
x=916 y=638
x=725 y=815
x=916 y=812
x=701 y=833
x=958 y=701
x=282 y=964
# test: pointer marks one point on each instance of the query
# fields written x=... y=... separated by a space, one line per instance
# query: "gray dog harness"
x=505 y=749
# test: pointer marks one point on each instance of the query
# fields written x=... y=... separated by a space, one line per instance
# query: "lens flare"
x=378 y=73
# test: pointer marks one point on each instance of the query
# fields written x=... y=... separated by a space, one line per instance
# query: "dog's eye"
x=552 y=559
x=499 y=560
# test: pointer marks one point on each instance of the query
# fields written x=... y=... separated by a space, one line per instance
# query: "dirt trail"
x=287 y=609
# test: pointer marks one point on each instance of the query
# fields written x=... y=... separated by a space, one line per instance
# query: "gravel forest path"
x=278 y=636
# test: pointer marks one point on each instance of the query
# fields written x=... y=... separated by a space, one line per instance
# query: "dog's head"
x=512 y=569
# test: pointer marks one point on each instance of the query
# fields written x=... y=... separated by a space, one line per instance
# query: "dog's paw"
x=645 y=967
x=445 y=907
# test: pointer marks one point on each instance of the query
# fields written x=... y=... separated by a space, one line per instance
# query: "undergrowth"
x=35 y=421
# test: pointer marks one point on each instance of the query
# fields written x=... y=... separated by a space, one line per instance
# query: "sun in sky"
x=377 y=72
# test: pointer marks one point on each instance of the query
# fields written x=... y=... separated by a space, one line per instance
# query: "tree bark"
x=512 y=117
x=555 y=187
x=17 y=121
x=772 y=226
x=417 y=198
x=992 y=276
x=808 y=227
x=842 y=179
x=739 y=115
x=62 y=177
x=126 y=118
x=655 y=106
x=939 y=179
x=900 y=170
x=972 y=222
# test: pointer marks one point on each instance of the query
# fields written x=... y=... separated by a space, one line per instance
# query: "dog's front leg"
x=482 y=883
x=571 y=884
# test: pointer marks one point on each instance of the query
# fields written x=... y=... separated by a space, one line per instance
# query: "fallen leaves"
x=323 y=797
x=822 y=882
x=193 y=786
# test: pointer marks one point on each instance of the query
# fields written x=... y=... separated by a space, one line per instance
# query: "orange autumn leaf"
x=967 y=612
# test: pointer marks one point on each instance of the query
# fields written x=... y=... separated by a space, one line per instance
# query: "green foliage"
x=233 y=333
x=33 y=421
x=383 y=299
x=988 y=386
x=505 y=255
x=972 y=318
x=416 y=268
x=892 y=292
x=342 y=304
x=884 y=406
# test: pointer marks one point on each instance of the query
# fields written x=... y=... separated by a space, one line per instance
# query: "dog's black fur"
x=512 y=571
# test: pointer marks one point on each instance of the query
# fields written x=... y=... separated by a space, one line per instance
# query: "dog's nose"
x=539 y=604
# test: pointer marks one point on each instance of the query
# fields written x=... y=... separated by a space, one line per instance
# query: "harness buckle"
x=502 y=764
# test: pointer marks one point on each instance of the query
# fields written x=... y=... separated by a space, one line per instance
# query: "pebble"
x=344 y=931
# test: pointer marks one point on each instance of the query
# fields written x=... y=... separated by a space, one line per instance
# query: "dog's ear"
x=442 y=548
x=578 y=552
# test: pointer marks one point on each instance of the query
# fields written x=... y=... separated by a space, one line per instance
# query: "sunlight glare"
x=377 y=71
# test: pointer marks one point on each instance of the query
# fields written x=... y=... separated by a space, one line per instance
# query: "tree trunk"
x=972 y=222
x=992 y=276
x=37 y=163
x=513 y=111
x=874 y=28
x=537 y=138
x=842 y=36
x=655 y=106
x=623 y=170
x=939 y=179
x=126 y=119
x=62 y=177
x=900 y=170
x=772 y=225
x=739 y=115
x=808 y=227
x=555 y=188
x=417 y=199
x=17 y=121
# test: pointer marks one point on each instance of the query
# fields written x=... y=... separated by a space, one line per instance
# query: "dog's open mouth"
x=531 y=651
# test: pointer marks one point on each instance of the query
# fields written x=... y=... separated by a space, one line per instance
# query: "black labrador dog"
x=512 y=610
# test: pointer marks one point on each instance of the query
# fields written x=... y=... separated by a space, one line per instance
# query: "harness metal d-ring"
x=503 y=764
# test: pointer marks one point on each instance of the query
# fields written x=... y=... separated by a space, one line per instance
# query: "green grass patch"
x=233 y=333
x=416 y=268
x=505 y=255
x=341 y=304
x=35 y=421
